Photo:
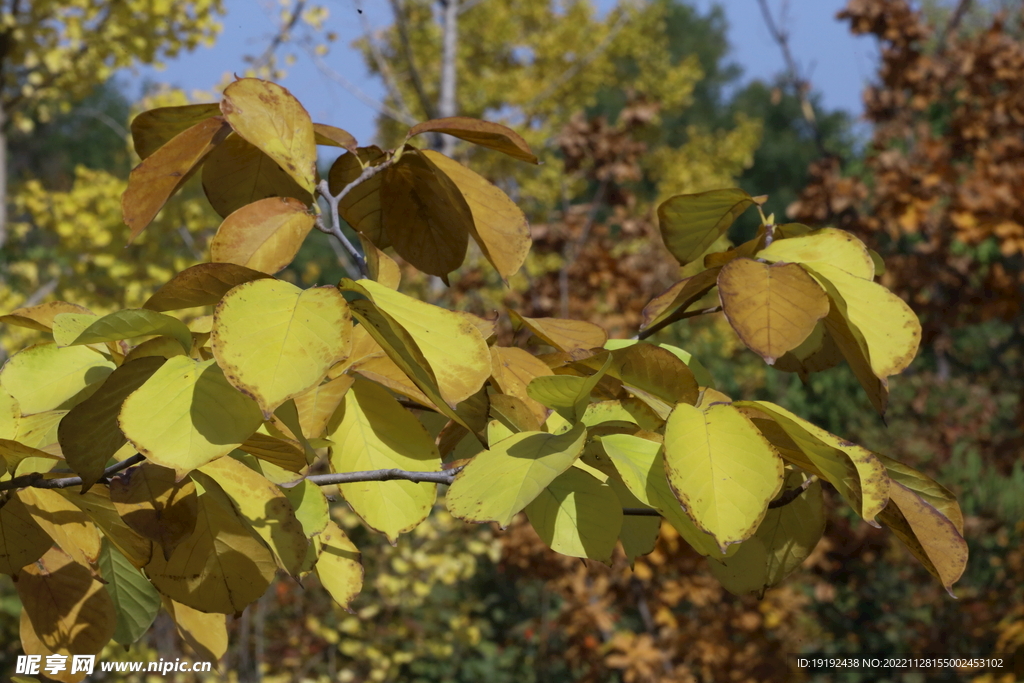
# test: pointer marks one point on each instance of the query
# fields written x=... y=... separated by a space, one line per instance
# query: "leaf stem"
x=789 y=496
x=644 y=334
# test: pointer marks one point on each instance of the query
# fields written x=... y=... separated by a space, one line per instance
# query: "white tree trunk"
x=447 y=104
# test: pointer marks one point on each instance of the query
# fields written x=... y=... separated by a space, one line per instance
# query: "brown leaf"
x=361 y=206
x=200 y=285
x=484 y=133
x=153 y=129
x=238 y=173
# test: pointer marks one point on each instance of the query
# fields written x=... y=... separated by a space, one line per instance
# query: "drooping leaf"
x=163 y=173
x=14 y=452
x=187 y=414
x=512 y=369
x=40 y=317
x=286 y=454
x=338 y=566
x=89 y=434
x=333 y=137
x=221 y=567
x=22 y=540
x=153 y=129
x=690 y=223
x=269 y=117
x=641 y=465
x=674 y=301
x=66 y=524
x=452 y=346
x=67 y=607
x=565 y=335
x=885 y=327
x=499 y=226
x=45 y=377
x=424 y=214
x=238 y=173
x=501 y=481
x=785 y=538
x=200 y=285
x=276 y=341
x=154 y=505
x=577 y=515
x=264 y=508
x=773 y=308
x=851 y=347
x=722 y=469
x=484 y=133
x=205 y=633
x=126 y=324
x=837 y=248
x=361 y=207
x=136 y=602
x=316 y=405
x=383 y=268
x=370 y=432
x=856 y=473
x=930 y=491
x=264 y=236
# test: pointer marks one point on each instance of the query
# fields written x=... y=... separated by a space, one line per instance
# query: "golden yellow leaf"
x=316 y=406
x=690 y=223
x=382 y=267
x=159 y=176
x=333 y=137
x=565 y=335
x=484 y=133
x=269 y=117
x=153 y=129
x=40 y=317
x=97 y=505
x=205 y=633
x=837 y=248
x=154 y=505
x=512 y=369
x=499 y=226
x=338 y=566
x=264 y=235
x=773 y=308
x=22 y=540
x=275 y=341
x=680 y=296
x=286 y=454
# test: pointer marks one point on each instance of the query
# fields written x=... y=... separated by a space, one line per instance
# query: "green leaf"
x=187 y=414
x=690 y=223
x=374 y=432
x=577 y=515
x=276 y=341
x=126 y=324
x=641 y=465
x=639 y=533
x=501 y=481
x=310 y=505
x=134 y=597
x=722 y=469
x=45 y=377
x=89 y=434
x=567 y=392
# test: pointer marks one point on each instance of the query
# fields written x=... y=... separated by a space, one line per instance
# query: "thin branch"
x=334 y=200
x=382 y=64
x=41 y=293
x=446 y=477
x=414 y=75
x=644 y=334
x=571 y=248
x=641 y=512
x=951 y=26
x=36 y=480
x=377 y=105
x=280 y=37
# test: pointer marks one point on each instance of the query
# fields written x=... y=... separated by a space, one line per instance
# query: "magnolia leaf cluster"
x=152 y=463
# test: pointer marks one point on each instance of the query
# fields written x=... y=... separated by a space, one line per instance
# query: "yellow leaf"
x=269 y=117
x=885 y=327
x=221 y=567
x=153 y=129
x=371 y=432
x=22 y=540
x=316 y=406
x=424 y=214
x=647 y=369
x=41 y=317
x=338 y=566
x=565 y=335
x=512 y=370
x=772 y=308
x=66 y=607
x=45 y=377
x=929 y=490
x=159 y=176
x=453 y=347
x=237 y=173
x=160 y=347
x=40 y=430
x=333 y=137
x=276 y=341
x=851 y=347
x=484 y=133
x=856 y=473
x=187 y=414
x=361 y=207
x=482 y=492
x=514 y=413
x=498 y=225
x=837 y=248
x=97 y=505
x=264 y=235
x=722 y=469
x=154 y=505
x=264 y=508
x=577 y=515
x=690 y=223
x=201 y=285
x=287 y=455
x=205 y=633
x=66 y=524
x=382 y=267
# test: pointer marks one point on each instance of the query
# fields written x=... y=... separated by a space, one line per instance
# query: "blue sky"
x=839 y=64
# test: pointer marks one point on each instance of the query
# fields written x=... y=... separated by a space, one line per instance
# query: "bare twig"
x=36 y=479
x=376 y=105
x=644 y=334
x=414 y=75
x=333 y=200
x=383 y=68
x=446 y=477
x=279 y=37
x=41 y=293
